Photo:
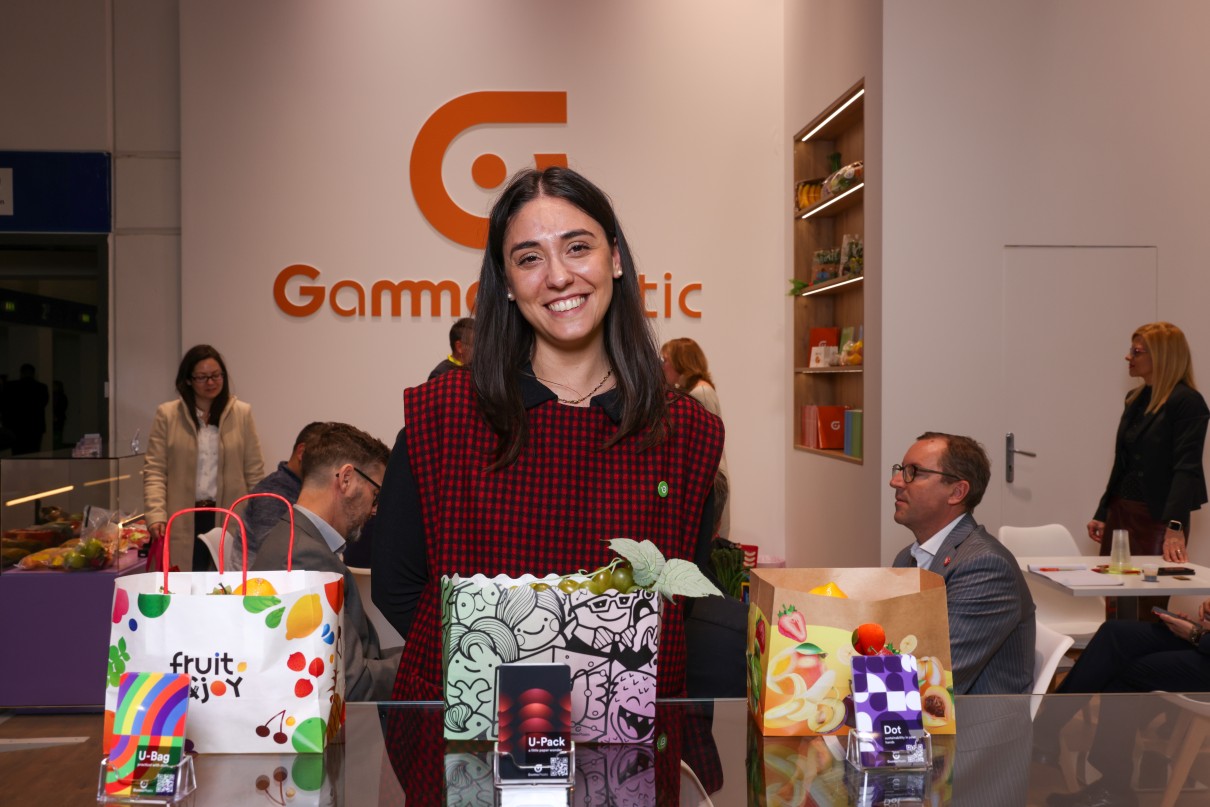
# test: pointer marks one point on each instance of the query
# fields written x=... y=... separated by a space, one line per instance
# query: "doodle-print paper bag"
x=609 y=641
x=266 y=671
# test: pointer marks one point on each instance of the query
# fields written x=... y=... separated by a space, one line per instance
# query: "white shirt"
x=207 y=462
x=926 y=552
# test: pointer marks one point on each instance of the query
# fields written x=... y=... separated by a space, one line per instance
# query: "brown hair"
x=1171 y=362
x=689 y=362
x=964 y=458
x=184 y=383
x=337 y=443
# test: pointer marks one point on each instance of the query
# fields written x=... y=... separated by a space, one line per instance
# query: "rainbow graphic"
x=148 y=734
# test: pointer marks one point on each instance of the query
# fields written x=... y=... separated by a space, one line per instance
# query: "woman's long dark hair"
x=504 y=340
x=184 y=383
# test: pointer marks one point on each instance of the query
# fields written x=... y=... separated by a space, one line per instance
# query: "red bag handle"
x=289 y=509
x=168 y=532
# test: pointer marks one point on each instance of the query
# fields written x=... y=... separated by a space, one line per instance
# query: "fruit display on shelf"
x=62 y=545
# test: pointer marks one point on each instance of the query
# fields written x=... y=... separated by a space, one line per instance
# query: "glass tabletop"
x=706 y=753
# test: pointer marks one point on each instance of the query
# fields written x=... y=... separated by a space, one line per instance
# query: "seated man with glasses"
x=342 y=470
x=991 y=613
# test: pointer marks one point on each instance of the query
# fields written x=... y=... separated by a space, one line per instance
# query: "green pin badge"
x=662 y=489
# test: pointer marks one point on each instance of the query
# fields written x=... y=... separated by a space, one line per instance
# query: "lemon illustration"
x=830 y=590
x=304 y=617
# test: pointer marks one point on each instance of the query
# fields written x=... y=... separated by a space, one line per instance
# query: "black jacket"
x=1167 y=455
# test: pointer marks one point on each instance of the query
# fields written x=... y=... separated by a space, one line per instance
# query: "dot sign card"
x=148 y=734
x=535 y=721
x=886 y=705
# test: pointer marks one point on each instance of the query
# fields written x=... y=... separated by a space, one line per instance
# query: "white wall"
x=295 y=148
x=1077 y=123
x=831 y=506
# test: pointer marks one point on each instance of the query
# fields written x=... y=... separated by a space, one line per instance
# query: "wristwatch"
x=1176 y=525
x=1195 y=635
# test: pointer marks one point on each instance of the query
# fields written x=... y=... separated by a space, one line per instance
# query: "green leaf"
x=274 y=617
x=808 y=649
x=684 y=578
x=645 y=559
x=254 y=605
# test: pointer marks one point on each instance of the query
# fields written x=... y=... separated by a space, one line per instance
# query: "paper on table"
x=1057 y=567
x=1083 y=577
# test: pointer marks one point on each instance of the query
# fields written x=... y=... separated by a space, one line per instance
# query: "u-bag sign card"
x=148 y=734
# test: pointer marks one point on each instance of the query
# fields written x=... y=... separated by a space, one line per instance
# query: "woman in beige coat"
x=203 y=452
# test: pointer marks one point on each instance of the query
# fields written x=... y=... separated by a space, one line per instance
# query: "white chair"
x=233 y=559
x=387 y=635
x=1078 y=617
x=1191 y=734
x=1049 y=647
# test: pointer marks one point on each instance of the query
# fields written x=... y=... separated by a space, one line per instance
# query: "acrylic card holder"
x=534 y=712
x=889 y=727
x=147 y=763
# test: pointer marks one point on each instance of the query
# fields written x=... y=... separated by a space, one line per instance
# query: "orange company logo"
x=299 y=291
x=488 y=170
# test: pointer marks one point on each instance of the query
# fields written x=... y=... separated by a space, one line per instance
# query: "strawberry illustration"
x=792 y=624
x=760 y=635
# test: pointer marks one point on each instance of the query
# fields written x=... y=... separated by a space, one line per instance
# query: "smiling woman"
x=562 y=436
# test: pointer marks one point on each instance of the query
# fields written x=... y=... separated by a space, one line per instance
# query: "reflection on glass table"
x=393 y=754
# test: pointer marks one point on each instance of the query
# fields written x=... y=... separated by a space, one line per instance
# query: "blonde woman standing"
x=1157 y=477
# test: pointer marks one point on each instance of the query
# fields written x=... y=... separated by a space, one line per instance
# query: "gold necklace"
x=577 y=401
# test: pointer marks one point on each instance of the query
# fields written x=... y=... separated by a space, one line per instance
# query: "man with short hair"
x=265 y=511
x=462 y=337
x=991 y=613
x=342 y=470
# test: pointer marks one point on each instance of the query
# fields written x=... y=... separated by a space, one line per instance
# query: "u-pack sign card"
x=535 y=721
x=148 y=734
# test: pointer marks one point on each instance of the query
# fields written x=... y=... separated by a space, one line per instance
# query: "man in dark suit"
x=342 y=470
x=991 y=613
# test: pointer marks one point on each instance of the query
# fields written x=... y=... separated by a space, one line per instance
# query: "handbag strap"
x=289 y=511
x=168 y=532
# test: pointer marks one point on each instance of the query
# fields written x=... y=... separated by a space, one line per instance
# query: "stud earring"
x=511 y=297
x=617 y=274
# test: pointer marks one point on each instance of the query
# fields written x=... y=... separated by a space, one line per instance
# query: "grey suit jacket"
x=991 y=612
x=369 y=673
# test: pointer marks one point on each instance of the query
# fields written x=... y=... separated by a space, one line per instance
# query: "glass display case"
x=31 y=484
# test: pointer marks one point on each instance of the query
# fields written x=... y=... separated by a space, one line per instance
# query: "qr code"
x=558 y=766
x=165 y=784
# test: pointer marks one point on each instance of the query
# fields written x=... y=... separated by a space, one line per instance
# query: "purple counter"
x=54 y=631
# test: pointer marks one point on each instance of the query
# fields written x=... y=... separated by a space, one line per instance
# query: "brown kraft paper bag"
x=800 y=644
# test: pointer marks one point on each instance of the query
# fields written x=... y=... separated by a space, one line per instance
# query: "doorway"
x=54 y=292
x=1068 y=316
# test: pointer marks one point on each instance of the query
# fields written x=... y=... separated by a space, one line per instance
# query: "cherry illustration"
x=279 y=736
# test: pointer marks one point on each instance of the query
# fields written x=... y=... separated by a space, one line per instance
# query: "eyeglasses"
x=202 y=379
x=1138 y=351
x=366 y=477
x=911 y=471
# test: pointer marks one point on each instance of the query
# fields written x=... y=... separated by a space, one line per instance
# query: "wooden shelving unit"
x=823 y=225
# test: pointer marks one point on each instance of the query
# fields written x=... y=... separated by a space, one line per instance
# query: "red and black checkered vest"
x=552 y=510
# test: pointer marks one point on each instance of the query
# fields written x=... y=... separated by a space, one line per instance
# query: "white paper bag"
x=266 y=668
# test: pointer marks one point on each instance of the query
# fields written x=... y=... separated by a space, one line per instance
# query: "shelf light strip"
x=106 y=480
x=831 y=202
x=828 y=119
x=43 y=494
x=830 y=286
